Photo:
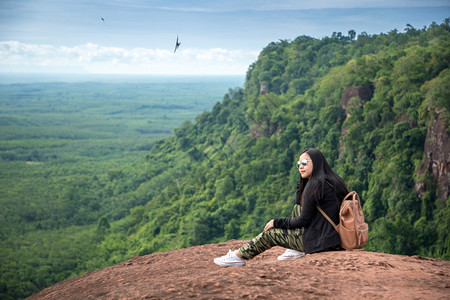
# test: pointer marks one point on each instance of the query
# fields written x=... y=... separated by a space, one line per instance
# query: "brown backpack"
x=352 y=229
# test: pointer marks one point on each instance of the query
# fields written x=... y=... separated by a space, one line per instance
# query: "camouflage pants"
x=287 y=238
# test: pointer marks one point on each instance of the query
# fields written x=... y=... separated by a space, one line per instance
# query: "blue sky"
x=217 y=37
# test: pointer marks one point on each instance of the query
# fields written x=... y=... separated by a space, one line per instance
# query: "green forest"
x=377 y=106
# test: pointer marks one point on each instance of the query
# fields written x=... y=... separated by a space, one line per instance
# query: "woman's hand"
x=269 y=225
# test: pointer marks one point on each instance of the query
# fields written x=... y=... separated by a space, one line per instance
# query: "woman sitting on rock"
x=308 y=230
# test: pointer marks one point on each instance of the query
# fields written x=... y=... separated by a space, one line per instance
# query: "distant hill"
x=191 y=273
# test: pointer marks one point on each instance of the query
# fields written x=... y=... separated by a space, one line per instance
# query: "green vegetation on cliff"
x=368 y=102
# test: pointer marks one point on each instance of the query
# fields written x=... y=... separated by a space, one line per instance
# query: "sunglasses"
x=303 y=162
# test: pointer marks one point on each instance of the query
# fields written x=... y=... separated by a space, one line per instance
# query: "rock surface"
x=191 y=273
x=437 y=162
x=362 y=92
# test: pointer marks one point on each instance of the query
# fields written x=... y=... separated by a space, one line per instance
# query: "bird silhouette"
x=177 y=44
x=102 y=19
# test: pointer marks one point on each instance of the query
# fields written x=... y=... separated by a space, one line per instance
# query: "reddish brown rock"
x=191 y=273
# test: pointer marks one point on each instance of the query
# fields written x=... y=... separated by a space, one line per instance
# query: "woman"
x=308 y=231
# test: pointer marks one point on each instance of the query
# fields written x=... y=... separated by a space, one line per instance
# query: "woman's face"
x=305 y=165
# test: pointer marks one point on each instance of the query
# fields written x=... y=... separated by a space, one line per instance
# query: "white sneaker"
x=291 y=254
x=229 y=260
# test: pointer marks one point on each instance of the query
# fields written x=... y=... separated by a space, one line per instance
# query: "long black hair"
x=322 y=174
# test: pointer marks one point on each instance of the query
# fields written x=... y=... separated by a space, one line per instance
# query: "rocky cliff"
x=437 y=161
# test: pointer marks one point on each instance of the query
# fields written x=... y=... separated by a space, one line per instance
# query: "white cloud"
x=99 y=59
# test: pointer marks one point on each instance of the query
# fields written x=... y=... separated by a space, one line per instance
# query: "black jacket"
x=318 y=234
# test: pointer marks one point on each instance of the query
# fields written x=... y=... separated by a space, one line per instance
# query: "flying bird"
x=177 y=44
x=102 y=20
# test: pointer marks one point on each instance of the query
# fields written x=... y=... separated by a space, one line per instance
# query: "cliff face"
x=191 y=273
x=362 y=92
x=437 y=162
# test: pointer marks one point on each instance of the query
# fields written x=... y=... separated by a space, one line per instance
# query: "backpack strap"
x=353 y=195
x=327 y=217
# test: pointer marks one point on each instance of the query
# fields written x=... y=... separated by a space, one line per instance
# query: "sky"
x=218 y=37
